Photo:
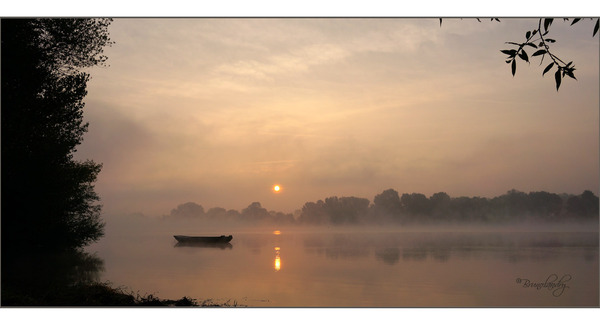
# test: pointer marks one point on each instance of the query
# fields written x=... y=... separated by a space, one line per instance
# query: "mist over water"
x=355 y=266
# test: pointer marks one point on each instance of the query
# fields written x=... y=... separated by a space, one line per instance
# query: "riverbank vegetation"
x=100 y=294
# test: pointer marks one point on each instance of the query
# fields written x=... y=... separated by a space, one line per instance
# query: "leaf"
x=547 y=23
x=513 y=43
x=523 y=55
x=532 y=45
x=514 y=67
x=557 y=78
x=440 y=22
x=596 y=27
x=512 y=53
x=575 y=21
x=479 y=20
x=534 y=32
x=539 y=52
x=570 y=74
x=550 y=40
x=527 y=35
x=548 y=68
x=569 y=64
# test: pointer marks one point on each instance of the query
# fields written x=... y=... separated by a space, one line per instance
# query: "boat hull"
x=205 y=245
x=203 y=240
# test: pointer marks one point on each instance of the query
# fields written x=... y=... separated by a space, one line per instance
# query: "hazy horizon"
x=217 y=111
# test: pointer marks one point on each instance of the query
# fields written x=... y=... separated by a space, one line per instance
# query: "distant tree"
x=188 y=210
x=313 y=213
x=216 y=213
x=440 y=205
x=48 y=198
x=280 y=218
x=584 y=205
x=482 y=208
x=346 y=209
x=388 y=203
x=545 y=205
x=516 y=203
x=334 y=210
x=255 y=213
x=232 y=214
x=461 y=208
x=415 y=204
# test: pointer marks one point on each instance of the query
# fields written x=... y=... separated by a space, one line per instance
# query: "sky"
x=218 y=110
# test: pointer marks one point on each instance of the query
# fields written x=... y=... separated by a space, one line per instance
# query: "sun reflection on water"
x=277 y=259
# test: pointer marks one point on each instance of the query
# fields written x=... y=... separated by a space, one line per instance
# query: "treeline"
x=390 y=207
x=254 y=214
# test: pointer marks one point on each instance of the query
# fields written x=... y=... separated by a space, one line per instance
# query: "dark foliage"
x=388 y=206
x=48 y=198
x=585 y=205
x=387 y=203
x=188 y=210
x=254 y=214
x=514 y=206
x=537 y=40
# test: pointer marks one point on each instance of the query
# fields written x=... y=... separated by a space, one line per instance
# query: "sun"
x=276 y=188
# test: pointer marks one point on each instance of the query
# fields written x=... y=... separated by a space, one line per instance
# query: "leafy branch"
x=542 y=45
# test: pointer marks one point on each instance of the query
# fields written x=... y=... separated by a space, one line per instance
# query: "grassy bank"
x=97 y=295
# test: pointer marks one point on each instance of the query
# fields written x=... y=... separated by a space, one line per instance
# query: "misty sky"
x=217 y=111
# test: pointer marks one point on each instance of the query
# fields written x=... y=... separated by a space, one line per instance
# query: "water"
x=332 y=267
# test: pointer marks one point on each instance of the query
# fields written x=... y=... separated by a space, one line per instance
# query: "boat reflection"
x=277 y=259
x=205 y=245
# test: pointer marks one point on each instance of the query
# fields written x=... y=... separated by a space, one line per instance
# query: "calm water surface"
x=329 y=267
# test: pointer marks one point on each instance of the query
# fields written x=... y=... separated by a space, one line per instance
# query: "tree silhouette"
x=255 y=213
x=388 y=203
x=440 y=204
x=415 y=204
x=48 y=197
x=314 y=213
x=545 y=204
x=188 y=210
x=585 y=205
x=345 y=209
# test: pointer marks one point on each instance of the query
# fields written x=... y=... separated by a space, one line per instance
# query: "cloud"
x=298 y=60
x=215 y=110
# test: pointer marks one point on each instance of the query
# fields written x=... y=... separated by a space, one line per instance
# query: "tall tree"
x=388 y=203
x=48 y=198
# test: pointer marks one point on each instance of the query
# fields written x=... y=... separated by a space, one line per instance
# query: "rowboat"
x=205 y=245
x=203 y=240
